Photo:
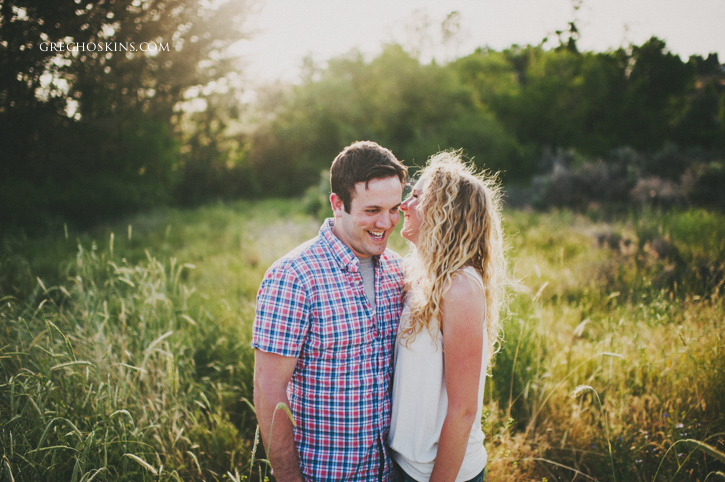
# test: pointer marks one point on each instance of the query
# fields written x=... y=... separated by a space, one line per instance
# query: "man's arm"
x=272 y=374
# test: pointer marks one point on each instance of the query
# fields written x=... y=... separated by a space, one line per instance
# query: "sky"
x=286 y=31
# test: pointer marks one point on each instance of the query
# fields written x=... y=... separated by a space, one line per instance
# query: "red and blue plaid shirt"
x=311 y=305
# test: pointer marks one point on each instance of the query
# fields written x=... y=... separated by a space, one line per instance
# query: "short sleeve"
x=282 y=314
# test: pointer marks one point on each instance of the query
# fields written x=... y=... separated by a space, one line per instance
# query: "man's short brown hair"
x=362 y=161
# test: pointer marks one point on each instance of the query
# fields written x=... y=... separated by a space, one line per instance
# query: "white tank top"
x=420 y=404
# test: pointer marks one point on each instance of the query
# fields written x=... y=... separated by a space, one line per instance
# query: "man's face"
x=372 y=218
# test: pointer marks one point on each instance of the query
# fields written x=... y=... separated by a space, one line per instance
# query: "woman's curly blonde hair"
x=460 y=226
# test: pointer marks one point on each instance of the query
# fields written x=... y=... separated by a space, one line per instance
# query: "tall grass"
x=124 y=351
x=626 y=308
x=128 y=365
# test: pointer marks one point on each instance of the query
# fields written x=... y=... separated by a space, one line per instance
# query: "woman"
x=450 y=323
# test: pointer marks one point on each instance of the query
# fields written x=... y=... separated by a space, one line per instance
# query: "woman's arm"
x=462 y=327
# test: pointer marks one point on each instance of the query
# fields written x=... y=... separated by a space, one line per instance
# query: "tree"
x=88 y=95
x=658 y=86
x=411 y=108
x=699 y=124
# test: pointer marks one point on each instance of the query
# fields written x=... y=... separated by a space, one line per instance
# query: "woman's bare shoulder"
x=464 y=303
x=464 y=286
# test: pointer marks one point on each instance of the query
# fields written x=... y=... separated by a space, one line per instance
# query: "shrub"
x=659 y=192
x=704 y=184
x=582 y=186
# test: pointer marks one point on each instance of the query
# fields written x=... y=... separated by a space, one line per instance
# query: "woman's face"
x=412 y=215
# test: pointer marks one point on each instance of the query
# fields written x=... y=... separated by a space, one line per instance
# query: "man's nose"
x=384 y=221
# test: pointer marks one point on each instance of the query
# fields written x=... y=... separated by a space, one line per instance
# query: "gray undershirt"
x=367 y=271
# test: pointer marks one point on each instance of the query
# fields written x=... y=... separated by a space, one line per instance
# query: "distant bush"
x=655 y=191
x=581 y=186
x=316 y=200
x=704 y=184
x=669 y=178
x=670 y=162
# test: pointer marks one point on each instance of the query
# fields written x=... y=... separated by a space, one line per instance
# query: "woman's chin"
x=408 y=236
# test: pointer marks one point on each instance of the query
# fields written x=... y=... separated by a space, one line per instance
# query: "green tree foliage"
x=214 y=155
x=699 y=124
x=505 y=109
x=88 y=92
x=596 y=102
x=657 y=93
x=411 y=108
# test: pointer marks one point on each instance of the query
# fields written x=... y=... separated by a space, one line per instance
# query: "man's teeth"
x=377 y=234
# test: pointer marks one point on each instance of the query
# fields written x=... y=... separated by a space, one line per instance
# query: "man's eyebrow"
x=377 y=206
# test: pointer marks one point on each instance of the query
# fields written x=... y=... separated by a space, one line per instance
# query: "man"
x=327 y=318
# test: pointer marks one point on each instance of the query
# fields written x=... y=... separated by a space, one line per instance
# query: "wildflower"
x=679 y=425
x=664 y=414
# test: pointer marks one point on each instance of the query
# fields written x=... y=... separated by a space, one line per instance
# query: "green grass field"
x=124 y=350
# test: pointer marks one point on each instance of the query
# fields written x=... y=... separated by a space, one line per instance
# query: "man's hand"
x=272 y=374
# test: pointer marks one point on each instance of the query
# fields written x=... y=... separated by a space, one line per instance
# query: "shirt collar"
x=342 y=254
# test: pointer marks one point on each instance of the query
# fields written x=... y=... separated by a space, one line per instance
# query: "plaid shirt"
x=311 y=305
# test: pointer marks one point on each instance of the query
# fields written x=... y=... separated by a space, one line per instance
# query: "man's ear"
x=338 y=207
